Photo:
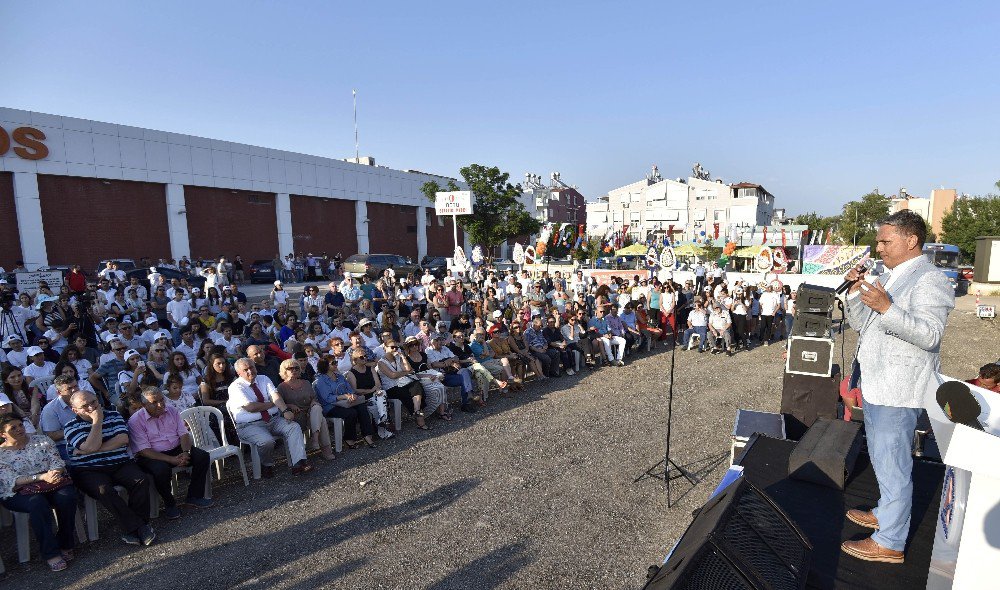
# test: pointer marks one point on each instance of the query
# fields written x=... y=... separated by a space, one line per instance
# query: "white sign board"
x=28 y=281
x=453 y=203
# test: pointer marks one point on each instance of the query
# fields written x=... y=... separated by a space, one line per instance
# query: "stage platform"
x=819 y=513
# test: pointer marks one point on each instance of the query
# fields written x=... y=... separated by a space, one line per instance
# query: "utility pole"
x=357 y=155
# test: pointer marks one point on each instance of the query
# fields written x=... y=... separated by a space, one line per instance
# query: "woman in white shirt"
x=278 y=294
x=190 y=377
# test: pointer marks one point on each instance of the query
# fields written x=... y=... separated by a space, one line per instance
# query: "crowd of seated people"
x=116 y=364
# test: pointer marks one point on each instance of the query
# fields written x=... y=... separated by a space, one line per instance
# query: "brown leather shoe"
x=869 y=550
x=301 y=468
x=863 y=518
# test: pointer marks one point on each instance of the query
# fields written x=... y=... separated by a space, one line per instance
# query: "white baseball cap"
x=32 y=351
x=131 y=353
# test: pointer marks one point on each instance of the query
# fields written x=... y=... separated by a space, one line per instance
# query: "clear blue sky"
x=820 y=104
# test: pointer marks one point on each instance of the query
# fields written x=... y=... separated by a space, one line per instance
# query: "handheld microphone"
x=864 y=266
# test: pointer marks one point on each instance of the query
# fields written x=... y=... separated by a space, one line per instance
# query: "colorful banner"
x=831 y=260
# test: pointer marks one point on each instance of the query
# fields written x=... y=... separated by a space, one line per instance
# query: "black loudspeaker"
x=826 y=454
x=809 y=356
x=811 y=325
x=806 y=398
x=739 y=540
x=814 y=299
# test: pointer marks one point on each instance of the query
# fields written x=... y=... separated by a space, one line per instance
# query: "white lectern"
x=966 y=551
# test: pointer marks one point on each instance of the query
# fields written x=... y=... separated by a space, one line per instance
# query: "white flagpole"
x=357 y=155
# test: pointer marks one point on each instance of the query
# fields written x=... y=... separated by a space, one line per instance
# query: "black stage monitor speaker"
x=806 y=398
x=739 y=540
x=826 y=453
x=809 y=356
x=811 y=325
x=814 y=299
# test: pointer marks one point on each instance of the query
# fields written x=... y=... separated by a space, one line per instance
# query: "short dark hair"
x=990 y=371
x=908 y=223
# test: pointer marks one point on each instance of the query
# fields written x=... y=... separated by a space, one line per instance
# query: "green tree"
x=968 y=219
x=859 y=221
x=497 y=212
x=815 y=222
x=588 y=250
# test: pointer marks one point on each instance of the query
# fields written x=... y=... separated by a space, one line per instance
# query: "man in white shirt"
x=769 y=303
x=188 y=346
x=697 y=325
x=106 y=291
x=261 y=416
x=339 y=331
x=226 y=340
x=152 y=327
x=413 y=327
x=719 y=323
x=129 y=338
x=178 y=309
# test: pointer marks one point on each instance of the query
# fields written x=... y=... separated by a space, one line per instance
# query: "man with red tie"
x=261 y=416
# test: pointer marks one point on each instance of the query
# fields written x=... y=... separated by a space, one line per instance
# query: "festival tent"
x=689 y=250
x=748 y=252
x=633 y=250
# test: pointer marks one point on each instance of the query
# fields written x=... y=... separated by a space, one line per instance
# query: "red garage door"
x=323 y=225
x=392 y=229
x=10 y=239
x=89 y=219
x=224 y=222
x=440 y=235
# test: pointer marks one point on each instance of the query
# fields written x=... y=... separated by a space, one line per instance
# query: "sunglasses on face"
x=117 y=350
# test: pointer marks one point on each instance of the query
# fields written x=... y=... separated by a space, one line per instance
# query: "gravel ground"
x=535 y=491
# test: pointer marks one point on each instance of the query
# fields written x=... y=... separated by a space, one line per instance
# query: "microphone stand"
x=666 y=468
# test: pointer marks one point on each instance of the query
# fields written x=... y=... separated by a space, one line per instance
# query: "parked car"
x=373 y=265
x=262 y=271
x=167 y=273
x=438 y=265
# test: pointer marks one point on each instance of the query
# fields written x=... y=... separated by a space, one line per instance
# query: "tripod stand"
x=666 y=468
x=8 y=324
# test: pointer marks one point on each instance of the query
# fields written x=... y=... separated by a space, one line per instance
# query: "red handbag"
x=44 y=487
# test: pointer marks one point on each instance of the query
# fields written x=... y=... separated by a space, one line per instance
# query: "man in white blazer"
x=900 y=319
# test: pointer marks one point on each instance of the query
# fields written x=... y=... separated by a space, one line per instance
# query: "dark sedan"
x=438 y=265
x=262 y=271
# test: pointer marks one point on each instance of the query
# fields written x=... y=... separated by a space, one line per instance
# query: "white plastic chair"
x=199 y=425
x=396 y=413
x=22 y=530
x=337 y=424
x=254 y=453
x=90 y=508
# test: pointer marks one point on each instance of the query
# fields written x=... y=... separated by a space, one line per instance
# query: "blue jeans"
x=789 y=322
x=39 y=508
x=701 y=331
x=890 y=445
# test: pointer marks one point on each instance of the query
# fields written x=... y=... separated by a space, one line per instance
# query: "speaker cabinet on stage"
x=807 y=398
x=809 y=356
x=811 y=325
x=814 y=299
x=739 y=540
